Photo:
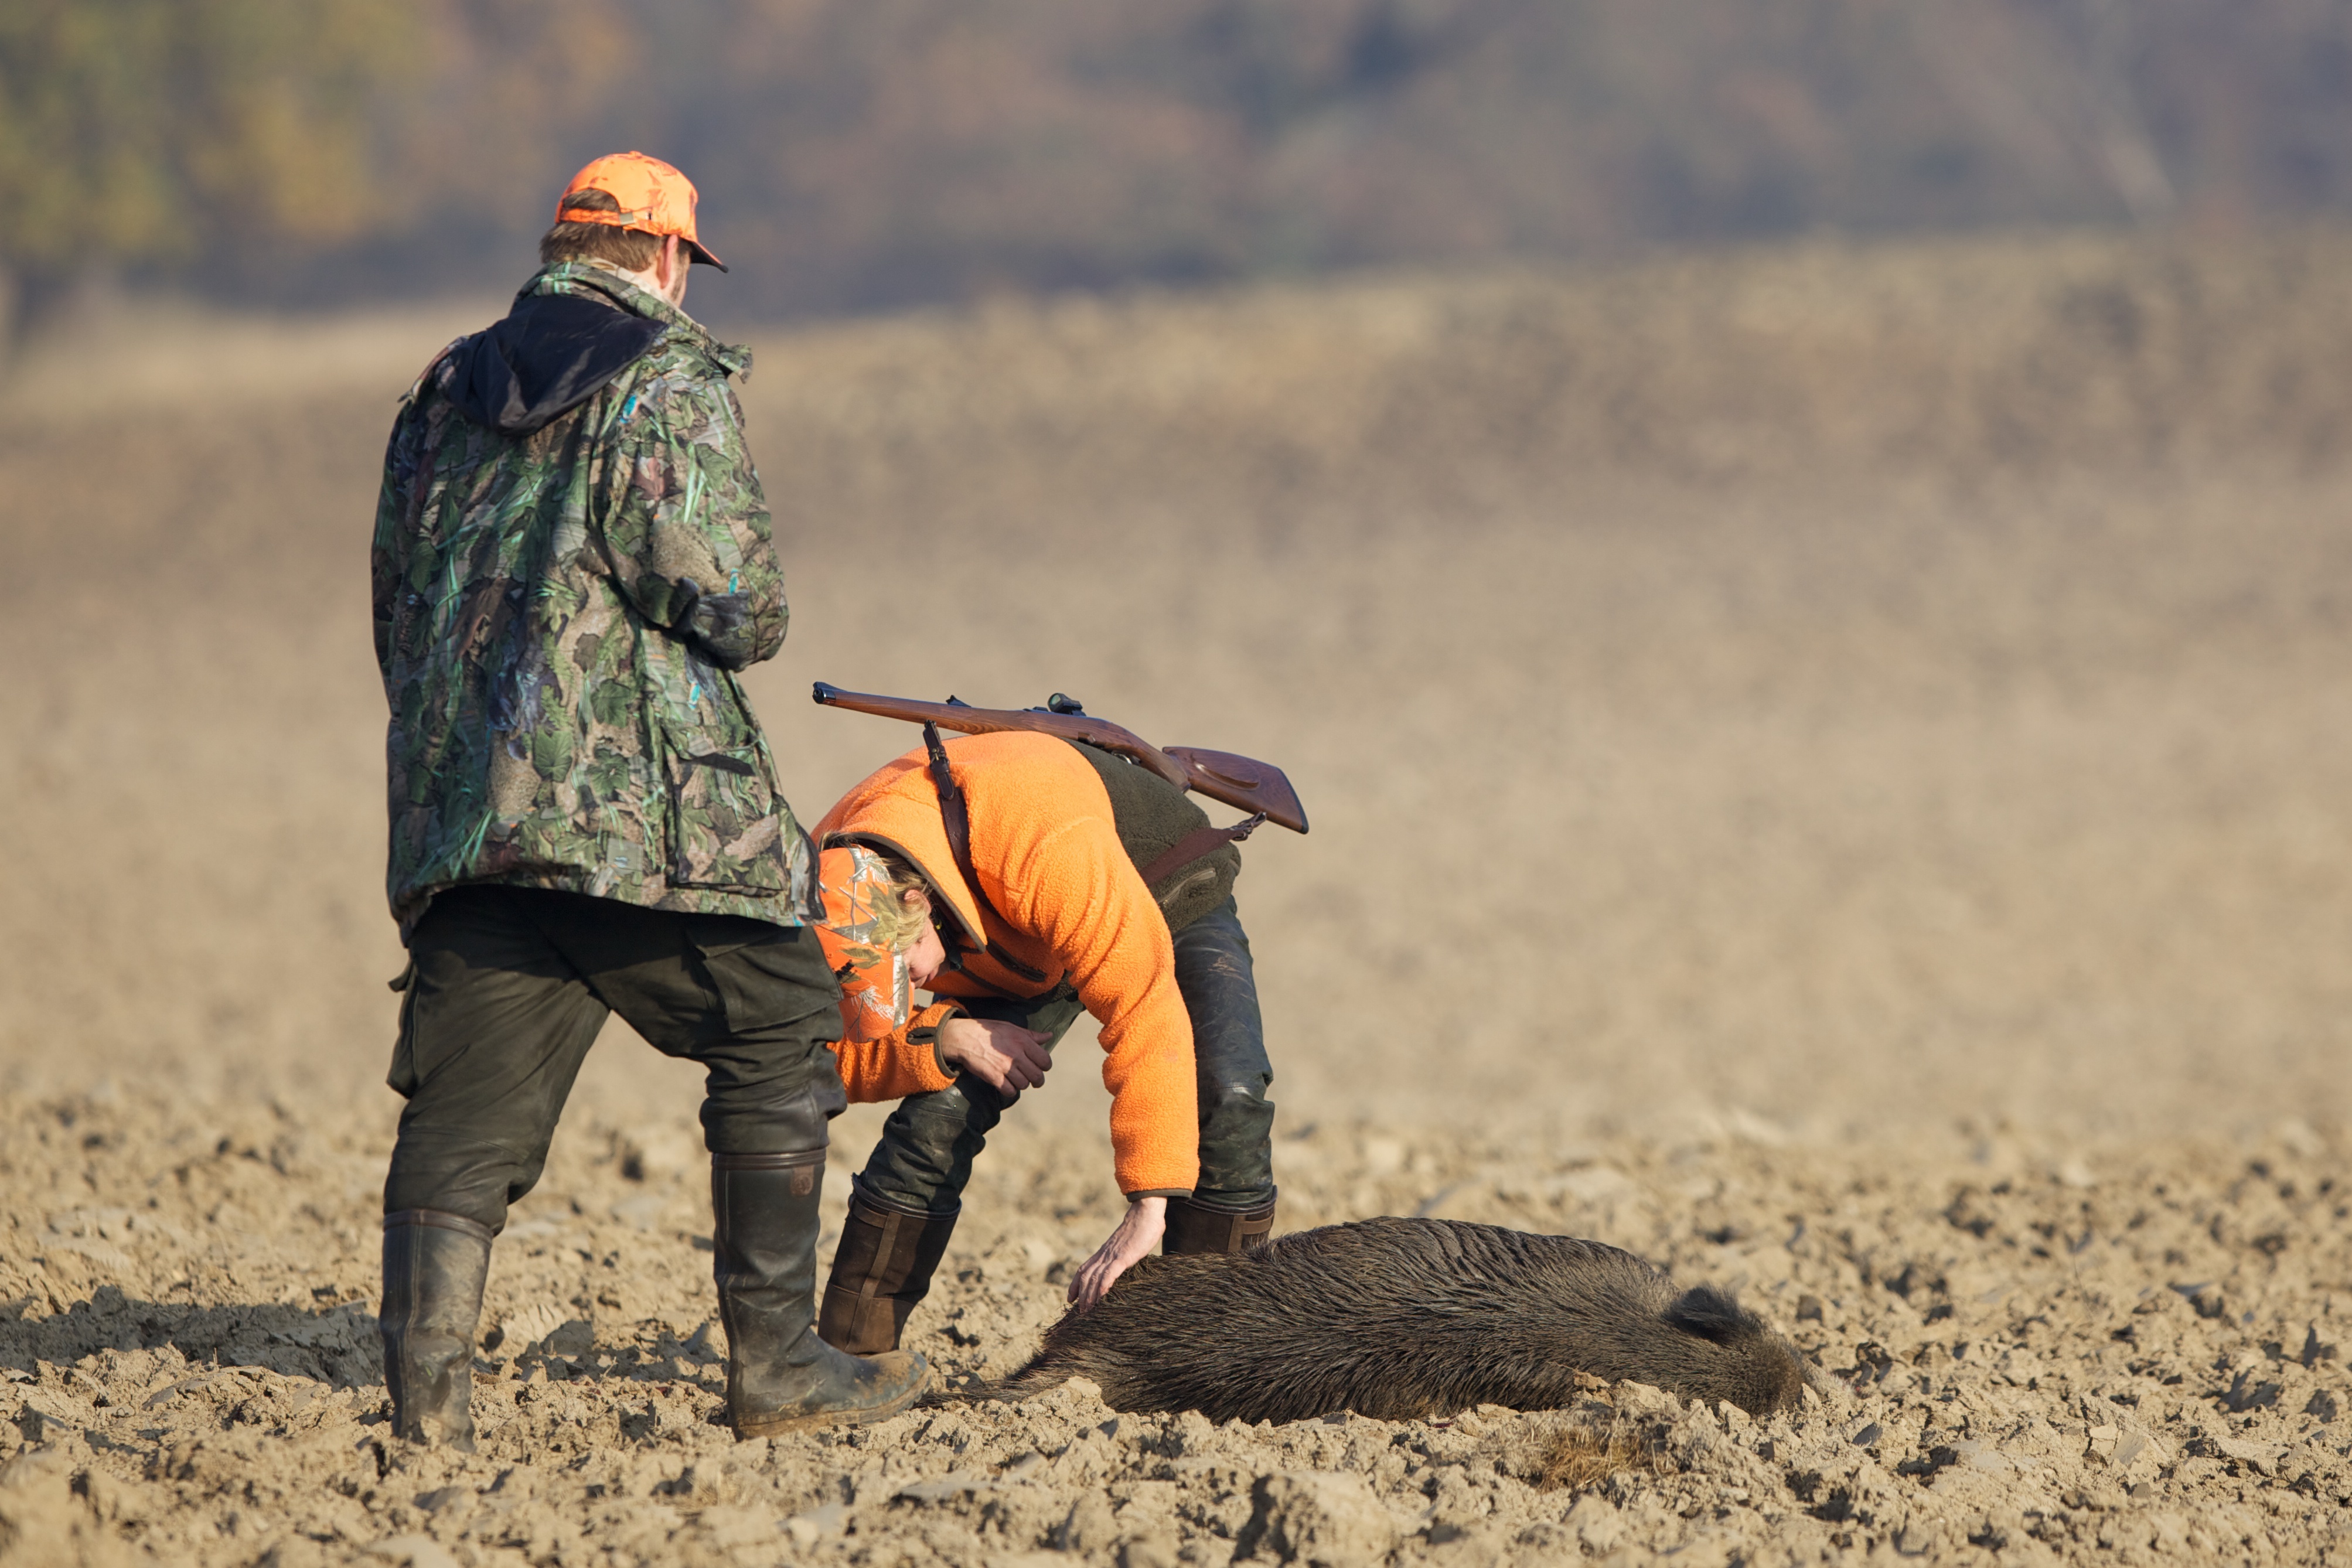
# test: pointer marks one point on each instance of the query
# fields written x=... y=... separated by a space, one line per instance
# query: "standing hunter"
x=571 y=560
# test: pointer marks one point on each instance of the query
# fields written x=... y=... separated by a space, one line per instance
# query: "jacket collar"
x=602 y=278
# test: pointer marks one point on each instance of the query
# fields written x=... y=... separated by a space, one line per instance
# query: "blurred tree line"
x=864 y=154
x=159 y=131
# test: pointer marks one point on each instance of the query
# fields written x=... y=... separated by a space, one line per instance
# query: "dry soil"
x=1828 y=769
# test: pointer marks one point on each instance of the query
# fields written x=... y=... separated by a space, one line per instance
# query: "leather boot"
x=1196 y=1227
x=781 y=1377
x=881 y=1272
x=435 y=1264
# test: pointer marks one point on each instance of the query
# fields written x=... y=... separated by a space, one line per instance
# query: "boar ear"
x=1710 y=1314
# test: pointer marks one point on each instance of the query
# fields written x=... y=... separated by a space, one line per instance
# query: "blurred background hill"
x=1794 y=548
x=1839 y=690
x=861 y=154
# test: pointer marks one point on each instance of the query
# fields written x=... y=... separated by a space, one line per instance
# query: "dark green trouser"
x=924 y=1157
x=506 y=989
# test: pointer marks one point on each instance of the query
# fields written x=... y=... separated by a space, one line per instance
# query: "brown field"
x=1828 y=769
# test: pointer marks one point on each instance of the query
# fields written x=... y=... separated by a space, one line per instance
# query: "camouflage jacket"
x=558 y=616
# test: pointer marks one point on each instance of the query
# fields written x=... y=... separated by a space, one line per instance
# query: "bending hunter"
x=1022 y=879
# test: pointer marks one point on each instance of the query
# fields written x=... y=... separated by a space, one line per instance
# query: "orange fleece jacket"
x=1047 y=852
x=896 y=1064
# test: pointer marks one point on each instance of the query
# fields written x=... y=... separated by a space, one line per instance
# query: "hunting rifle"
x=1241 y=782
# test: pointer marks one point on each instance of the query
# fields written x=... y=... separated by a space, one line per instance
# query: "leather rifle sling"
x=955 y=818
x=1194 y=844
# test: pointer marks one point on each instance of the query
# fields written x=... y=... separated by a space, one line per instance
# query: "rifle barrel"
x=994 y=720
x=1241 y=781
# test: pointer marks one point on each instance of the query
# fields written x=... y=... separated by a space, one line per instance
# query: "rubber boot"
x=781 y=1377
x=1196 y=1227
x=435 y=1264
x=881 y=1272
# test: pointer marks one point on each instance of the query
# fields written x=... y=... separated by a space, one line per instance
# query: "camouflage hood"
x=571 y=560
x=552 y=354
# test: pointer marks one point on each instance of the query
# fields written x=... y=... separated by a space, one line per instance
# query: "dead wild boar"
x=1399 y=1318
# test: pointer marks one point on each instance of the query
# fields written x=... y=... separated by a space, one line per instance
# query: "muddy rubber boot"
x=881 y=1272
x=1196 y=1227
x=781 y=1377
x=435 y=1264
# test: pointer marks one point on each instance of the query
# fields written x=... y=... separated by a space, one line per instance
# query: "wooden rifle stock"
x=1243 y=783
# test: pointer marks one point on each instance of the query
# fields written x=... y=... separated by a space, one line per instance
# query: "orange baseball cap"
x=653 y=198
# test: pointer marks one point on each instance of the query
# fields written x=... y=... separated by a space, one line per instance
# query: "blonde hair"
x=898 y=919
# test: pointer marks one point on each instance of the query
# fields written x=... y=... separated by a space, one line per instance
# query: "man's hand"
x=1006 y=1057
x=1136 y=1234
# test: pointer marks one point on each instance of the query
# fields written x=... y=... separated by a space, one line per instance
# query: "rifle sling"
x=1194 y=844
x=955 y=819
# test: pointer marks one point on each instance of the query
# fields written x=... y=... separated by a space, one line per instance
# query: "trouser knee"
x=924 y=1158
x=455 y=1175
x=771 y=1116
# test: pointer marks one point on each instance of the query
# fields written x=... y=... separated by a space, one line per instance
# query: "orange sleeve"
x=1075 y=889
x=896 y=1064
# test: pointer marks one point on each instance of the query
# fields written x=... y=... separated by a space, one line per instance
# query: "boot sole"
x=778 y=1426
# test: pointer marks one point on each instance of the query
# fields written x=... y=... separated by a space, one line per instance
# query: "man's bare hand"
x=1136 y=1234
x=1006 y=1057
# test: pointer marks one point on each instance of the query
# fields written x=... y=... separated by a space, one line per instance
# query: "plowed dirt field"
x=1829 y=770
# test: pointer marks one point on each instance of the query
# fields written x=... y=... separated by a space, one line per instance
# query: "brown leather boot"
x=1196 y=1227
x=881 y=1272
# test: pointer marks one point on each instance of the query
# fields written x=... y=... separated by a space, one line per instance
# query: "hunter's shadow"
x=335 y=1344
